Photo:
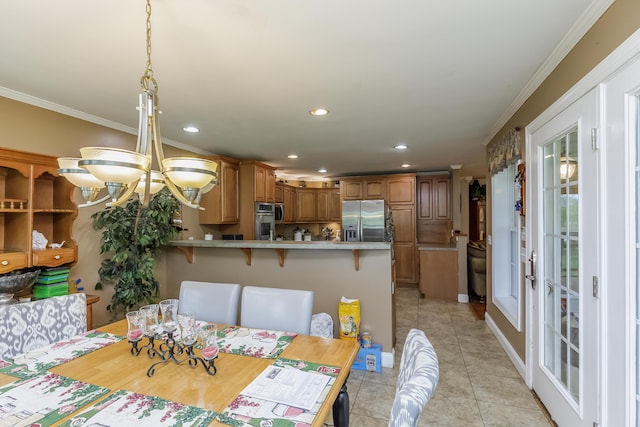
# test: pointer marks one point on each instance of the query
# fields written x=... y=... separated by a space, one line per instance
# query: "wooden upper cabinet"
x=290 y=202
x=335 y=206
x=258 y=181
x=260 y=185
x=279 y=193
x=401 y=189
x=270 y=185
x=374 y=188
x=351 y=189
x=221 y=204
x=322 y=205
x=367 y=188
x=434 y=198
x=306 y=207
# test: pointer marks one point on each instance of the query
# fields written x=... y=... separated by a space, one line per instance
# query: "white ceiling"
x=439 y=76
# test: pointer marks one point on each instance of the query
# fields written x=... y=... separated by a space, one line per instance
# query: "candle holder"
x=177 y=335
x=135 y=330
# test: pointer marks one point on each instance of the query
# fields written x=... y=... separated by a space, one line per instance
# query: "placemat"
x=44 y=399
x=254 y=342
x=34 y=362
x=247 y=411
x=125 y=408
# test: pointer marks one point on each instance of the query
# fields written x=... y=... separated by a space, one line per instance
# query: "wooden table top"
x=115 y=368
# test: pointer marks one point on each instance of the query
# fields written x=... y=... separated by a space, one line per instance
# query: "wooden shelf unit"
x=34 y=197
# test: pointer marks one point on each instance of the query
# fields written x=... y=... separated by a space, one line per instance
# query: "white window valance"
x=505 y=152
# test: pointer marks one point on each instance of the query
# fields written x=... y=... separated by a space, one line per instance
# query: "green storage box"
x=45 y=291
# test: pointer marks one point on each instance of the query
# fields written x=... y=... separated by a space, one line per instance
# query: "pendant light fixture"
x=123 y=172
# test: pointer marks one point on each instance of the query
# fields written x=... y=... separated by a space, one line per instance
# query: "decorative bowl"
x=12 y=283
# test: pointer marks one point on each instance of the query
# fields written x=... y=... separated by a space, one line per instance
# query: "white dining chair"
x=276 y=309
x=417 y=380
x=209 y=301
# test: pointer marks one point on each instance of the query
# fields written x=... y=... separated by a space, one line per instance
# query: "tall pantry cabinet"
x=400 y=196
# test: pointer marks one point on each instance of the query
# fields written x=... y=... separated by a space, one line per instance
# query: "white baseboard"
x=463 y=298
x=515 y=359
x=388 y=358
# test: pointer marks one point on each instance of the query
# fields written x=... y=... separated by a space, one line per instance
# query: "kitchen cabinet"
x=278 y=193
x=374 y=188
x=306 y=206
x=322 y=205
x=363 y=188
x=404 y=245
x=351 y=189
x=335 y=206
x=401 y=189
x=477 y=219
x=221 y=204
x=329 y=205
x=434 y=198
x=259 y=179
x=290 y=202
x=439 y=274
x=34 y=197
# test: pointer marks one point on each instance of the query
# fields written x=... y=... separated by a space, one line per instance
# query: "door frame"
x=628 y=51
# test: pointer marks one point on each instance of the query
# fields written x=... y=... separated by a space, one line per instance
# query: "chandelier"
x=124 y=172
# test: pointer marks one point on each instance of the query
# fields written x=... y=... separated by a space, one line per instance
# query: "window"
x=505 y=242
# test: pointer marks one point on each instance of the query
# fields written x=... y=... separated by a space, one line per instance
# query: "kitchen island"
x=331 y=269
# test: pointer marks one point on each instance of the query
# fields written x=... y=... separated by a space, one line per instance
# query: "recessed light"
x=191 y=129
x=405 y=165
x=400 y=147
x=319 y=112
x=292 y=156
x=322 y=170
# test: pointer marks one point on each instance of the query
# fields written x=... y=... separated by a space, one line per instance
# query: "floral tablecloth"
x=35 y=362
x=247 y=411
x=254 y=342
x=44 y=399
x=125 y=408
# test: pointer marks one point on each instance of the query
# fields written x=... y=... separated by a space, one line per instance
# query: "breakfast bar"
x=331 y=269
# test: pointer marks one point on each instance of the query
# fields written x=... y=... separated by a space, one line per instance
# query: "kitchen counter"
x=282 y=244
x=330 y=269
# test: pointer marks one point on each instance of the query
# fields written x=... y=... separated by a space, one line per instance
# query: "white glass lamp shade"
x=76 y=175
x=113 y=164
x=188 y=172
x=157 y=182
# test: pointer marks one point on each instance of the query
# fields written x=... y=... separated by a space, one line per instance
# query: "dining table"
x=116 y=368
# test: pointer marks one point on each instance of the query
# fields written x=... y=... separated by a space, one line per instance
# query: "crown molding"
x=568 y=42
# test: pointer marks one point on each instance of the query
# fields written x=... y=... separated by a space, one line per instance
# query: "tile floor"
x=478 y=384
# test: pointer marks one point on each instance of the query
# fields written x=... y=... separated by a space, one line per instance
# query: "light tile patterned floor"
x=478 y=384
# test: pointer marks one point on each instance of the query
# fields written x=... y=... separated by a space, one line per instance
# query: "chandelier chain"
x=147 y=80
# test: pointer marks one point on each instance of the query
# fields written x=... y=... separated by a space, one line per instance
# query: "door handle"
x=532 y=269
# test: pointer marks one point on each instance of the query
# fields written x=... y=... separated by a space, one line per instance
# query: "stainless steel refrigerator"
x=366 y=221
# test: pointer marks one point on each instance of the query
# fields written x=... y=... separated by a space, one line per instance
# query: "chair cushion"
x=417 y=380
x=210 y=302
x=28 y=326
x=277 y=309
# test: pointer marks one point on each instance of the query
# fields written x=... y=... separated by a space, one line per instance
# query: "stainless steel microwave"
x=279 y=212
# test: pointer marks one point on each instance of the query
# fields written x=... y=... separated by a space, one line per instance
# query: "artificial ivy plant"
x=134 y=235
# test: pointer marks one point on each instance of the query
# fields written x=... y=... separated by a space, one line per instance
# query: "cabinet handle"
x=57 y=257
x=5 y=262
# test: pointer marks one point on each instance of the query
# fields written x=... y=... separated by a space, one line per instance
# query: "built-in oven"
x=265 y=221
x=279 y=212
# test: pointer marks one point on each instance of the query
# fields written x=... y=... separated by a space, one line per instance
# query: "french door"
x=562 y=245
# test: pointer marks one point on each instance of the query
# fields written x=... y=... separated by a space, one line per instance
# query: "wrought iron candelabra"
x=172 y=349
